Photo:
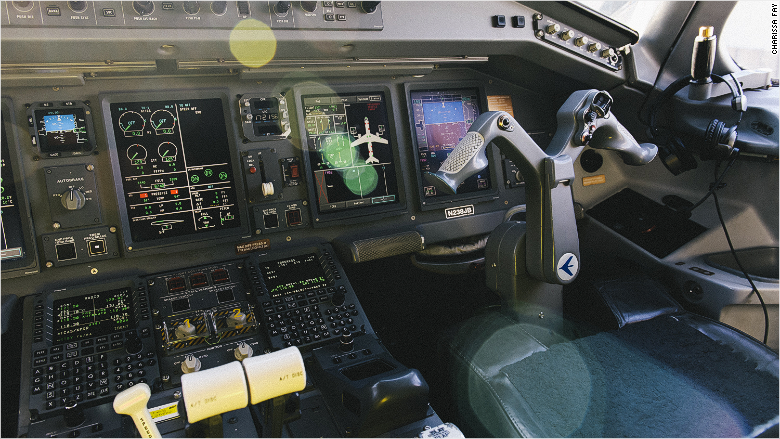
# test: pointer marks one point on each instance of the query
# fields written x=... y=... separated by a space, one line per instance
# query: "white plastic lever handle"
x=275 y=374
x=132 y=401
x=214 y=391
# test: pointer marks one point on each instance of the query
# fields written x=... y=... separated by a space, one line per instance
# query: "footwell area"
x=410 y=309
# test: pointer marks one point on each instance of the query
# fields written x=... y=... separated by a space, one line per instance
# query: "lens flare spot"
x=361 y=180
x=337 y=151
x=253 y=43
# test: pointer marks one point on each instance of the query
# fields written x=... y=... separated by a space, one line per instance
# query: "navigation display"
x=91 y=315
x=441 y=119
x=176 y=168
x=350 y=151
x=293 y=275
x=12 y=244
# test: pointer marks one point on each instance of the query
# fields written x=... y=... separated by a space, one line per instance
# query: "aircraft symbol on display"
x=369 y=138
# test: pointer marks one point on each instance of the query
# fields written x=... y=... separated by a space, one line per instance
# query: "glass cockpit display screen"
x=293 y=275
x=441 y=119
x=12 y=245
x=91 y=315
x=350 y=151
x=176 y=168
x=62 y=130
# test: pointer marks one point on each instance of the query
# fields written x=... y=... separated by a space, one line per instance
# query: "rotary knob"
x=608 y=53
x=191 y=8
x=73 y=199
x=143 y=8
x=77 y=7
x=369 y=7
x=190 y=364
x=309 y=6
x=242 y=351
x=581 y=41
x=282 y=7
x=218 y=8
x=567 y=35
x=553 y=29
x=186 y=330
x=236 y=320
x=594 y=47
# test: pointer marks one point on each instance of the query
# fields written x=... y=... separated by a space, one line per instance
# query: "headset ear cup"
x=676 y=158
x=718 y=141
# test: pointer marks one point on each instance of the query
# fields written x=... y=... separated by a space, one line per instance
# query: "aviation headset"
x=718 y=138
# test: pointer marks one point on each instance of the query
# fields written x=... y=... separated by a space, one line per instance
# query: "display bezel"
x=377 y=211
x=134 y=247
x=436 y=203
x=66 y=107
x=84 y=290
x=28 y=263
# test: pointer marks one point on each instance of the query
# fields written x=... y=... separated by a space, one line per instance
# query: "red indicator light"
x=174 y=191
x=144 y=195
x=252 y=169
x=294 y=171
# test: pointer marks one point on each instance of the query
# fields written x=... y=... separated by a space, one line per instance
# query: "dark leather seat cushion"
x=665 y=372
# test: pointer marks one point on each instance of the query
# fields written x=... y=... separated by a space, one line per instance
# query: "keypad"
x=63 y=372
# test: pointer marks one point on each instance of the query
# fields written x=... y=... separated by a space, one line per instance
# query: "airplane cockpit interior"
x=389 y=219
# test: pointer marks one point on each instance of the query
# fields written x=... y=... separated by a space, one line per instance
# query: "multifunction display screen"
x=441 y=119
x=176 y=168
x=92 y=315
x=350 y=151
x=293 y=275
x=62 y=130
x=12 y=245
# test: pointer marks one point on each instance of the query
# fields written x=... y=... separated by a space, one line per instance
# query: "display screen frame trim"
x=28 y=264
x=364 y=213
x=131 y=247
x=495 y=174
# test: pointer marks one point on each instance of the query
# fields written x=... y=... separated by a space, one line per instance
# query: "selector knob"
x=282 y=7
x=190 y=364
x=133 y=344
x=185 y=330
x=236 y=320
x=567 y=35
x=347 y=343
x=608 y=53
x=552 y=28
x=218 y=8
x=143 y=8
x=594 y=47
x=242 y=351
x=581 y=41
x=309 y=6
x=73 y=199
x=191 y=8
x=338 y=298
x=77 y=6
x=369 y=7
x=74 y=413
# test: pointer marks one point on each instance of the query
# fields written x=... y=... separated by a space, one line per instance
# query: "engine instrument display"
x=177 y=169
x=92 y=315
x=293 y=275
x=441 y=118
x=350 y=151
x=62 y=130
x=12 y=244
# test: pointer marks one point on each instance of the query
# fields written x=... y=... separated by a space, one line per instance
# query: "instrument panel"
x=234 y=170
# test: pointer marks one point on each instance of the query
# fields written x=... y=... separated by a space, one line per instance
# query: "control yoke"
x=552 y=249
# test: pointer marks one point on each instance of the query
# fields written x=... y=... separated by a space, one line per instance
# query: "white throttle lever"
x=132 y=401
